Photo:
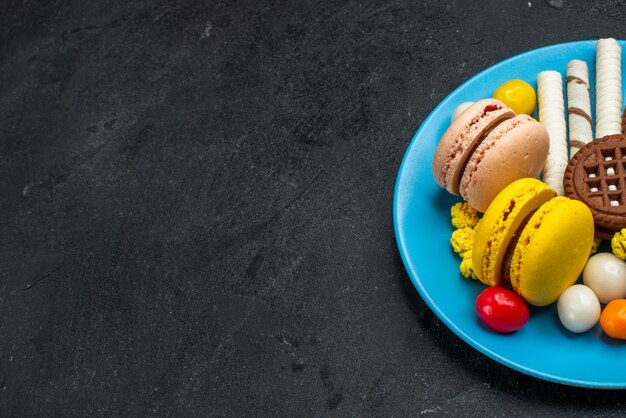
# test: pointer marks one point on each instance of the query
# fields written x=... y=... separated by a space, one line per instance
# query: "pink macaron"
x=485 y=149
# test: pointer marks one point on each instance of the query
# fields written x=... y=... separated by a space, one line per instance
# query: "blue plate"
x=421 y=210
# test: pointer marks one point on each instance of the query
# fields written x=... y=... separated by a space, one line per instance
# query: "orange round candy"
x=613 y=319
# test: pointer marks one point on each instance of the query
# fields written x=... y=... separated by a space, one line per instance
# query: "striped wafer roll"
x=608 y=87
x=578 y=105
x=552 y=117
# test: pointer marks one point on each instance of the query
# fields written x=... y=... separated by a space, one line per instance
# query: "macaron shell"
x=514 y=149
x=458 y=142
x=552 y=250
x=500 y=223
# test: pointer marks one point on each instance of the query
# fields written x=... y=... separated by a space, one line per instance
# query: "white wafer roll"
x=578 y=105
x=608 y=87
x=552 y=117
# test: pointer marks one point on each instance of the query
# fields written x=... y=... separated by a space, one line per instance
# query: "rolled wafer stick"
x=608 y=87
x=578 y=105
x=552 y=117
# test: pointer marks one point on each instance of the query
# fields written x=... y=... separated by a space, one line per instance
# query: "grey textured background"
x=196 y=206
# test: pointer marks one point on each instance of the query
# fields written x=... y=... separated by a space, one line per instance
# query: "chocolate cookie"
x=597 y=177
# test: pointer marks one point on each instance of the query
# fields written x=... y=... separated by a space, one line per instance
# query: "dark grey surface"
x=196 y=206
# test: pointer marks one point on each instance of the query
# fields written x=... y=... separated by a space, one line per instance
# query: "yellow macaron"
x=534 y=240
x=552 y=250
x=501 y=222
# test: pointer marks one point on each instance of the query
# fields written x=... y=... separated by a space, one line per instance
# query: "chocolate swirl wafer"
x=578 y=105
x=552 y=117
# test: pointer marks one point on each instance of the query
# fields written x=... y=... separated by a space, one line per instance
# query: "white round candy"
x=460 y=109
x=579 y=308
x=605 y=274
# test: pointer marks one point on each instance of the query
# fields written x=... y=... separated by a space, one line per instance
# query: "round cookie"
x=596 y=176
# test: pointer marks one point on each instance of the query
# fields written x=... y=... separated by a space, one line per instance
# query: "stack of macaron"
x=537 y=244
x=533 y=240
x=487 y=147
x=535 y=237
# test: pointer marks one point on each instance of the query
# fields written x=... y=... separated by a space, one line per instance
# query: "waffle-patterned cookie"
x=596 y=176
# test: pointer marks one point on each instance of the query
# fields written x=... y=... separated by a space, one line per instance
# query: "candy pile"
x=464 y=219
x=537 y=238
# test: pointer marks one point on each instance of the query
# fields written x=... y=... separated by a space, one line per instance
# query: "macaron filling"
x=472 y=157
x=505 y=269
x=526 y=235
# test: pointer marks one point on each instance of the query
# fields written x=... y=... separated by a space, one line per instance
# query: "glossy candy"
x=460 y=109
x=501 y=309
x=605 y=274
x=518 y=95
x=613 y=319
x=579 y=308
